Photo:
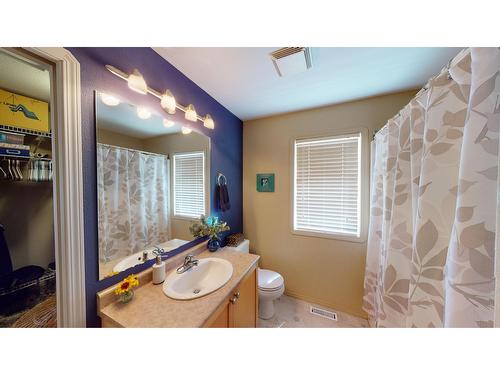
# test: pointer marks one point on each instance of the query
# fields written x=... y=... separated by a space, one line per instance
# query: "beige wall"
x=175 y=143
x=118 y=139
x=326 y=271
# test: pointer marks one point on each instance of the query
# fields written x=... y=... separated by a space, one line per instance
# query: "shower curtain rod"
x=458 y=56
x=132 y=149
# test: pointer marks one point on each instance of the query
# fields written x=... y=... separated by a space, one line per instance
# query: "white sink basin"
x=209 y=275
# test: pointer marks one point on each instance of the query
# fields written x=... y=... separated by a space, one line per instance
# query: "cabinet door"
x=220 y=318
x=244 y=303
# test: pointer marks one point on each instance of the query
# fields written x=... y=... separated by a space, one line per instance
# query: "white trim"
x=68 y=188
x=364 y=185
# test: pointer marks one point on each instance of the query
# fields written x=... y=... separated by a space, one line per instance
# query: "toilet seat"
x=273 y=294
x=269 y=281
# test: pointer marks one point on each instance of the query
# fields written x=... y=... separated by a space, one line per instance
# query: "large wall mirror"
x=152 y=181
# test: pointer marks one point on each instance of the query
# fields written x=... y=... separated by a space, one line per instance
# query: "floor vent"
x=323 y=313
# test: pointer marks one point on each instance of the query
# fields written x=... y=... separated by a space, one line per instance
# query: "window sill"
x=337 y=237
x=186 y=218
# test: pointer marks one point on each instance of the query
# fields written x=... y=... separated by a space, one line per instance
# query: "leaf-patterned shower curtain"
x=431 y=242
x=133 y=201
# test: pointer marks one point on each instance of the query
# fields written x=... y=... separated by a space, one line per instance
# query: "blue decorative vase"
x=213 y=244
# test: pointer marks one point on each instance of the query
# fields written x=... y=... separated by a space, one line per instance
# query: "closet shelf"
x=17 y=130
x=26 y=158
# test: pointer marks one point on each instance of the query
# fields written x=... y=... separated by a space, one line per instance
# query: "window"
x=189 y=184
x=327 y=186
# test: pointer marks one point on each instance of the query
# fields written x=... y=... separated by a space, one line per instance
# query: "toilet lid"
x=269 y=280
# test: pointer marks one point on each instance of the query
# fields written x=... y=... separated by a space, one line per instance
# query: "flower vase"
x=213 y=244
x=127 y=296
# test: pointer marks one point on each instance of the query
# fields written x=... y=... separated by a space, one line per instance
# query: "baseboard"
x=335 y=307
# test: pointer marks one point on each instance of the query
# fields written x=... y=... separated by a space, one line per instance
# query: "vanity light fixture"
x=208 y=122
x=185 y=130
x=168 y=102
x=143 y=113
x=191 y=113
x=168 y=123
x=109 y=100
x=137 y=83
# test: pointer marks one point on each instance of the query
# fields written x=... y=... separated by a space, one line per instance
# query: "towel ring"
x=219 y=176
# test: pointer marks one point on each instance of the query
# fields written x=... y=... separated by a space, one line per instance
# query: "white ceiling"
x=24 y=78
x=244 y=80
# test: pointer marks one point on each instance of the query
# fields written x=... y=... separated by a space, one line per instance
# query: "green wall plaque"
x=265 y=182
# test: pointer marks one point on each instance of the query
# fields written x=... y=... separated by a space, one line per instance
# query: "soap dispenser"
x=158 y=271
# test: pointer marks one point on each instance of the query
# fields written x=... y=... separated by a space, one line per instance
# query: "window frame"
x=172 y=182
x=363 y=191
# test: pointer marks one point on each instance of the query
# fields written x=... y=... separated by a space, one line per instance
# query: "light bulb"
x=168 y=123
x=186 y=130
x=191 y=113
x=208 y=122
x=143 y=113
x=137 y=83
x=168 y=102
x=109 y=100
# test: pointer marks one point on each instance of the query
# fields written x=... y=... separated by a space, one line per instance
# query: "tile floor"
x=294 y=313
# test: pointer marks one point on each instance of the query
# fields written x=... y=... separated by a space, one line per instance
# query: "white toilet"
x=271 y=285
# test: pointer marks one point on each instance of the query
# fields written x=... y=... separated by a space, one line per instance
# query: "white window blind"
x=327 y=185
x=189 y=184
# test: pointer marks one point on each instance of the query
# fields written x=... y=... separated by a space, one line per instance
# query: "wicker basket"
x=234 y=239
x=43 y=315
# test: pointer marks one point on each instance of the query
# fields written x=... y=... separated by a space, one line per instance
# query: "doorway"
x=41 y=241
x=27 y=248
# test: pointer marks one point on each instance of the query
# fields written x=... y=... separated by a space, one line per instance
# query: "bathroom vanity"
x=235 y=304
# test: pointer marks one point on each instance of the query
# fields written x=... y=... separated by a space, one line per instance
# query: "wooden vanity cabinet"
x=242 y=307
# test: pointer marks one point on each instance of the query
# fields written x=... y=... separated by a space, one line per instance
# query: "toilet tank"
x=244 y=247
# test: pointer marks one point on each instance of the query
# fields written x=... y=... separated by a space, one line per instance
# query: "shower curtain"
x=433 y=207
x=133 y=201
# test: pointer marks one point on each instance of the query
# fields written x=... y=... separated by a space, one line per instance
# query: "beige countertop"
x=150 y=307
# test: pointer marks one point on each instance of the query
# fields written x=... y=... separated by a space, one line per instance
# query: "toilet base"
x=266 y=308
x=268 y=296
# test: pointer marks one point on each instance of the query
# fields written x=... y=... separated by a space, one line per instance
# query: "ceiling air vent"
x=291 y=60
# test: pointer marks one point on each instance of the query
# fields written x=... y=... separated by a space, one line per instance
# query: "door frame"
x=68 y=187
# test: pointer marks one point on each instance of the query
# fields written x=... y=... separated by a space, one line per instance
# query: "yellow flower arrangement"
x=125 y=287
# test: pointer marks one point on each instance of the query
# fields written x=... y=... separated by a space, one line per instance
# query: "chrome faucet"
x=189 y=262
x=158 y=250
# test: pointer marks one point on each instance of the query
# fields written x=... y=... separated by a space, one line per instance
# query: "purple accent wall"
x=226 y=140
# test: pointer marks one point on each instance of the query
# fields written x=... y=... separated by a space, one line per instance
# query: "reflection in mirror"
x=152 y=180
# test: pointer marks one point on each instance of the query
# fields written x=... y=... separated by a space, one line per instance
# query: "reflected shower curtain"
x=431 y=242
x=133 y=201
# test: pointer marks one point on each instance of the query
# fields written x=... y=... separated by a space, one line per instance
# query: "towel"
x=223 y=197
